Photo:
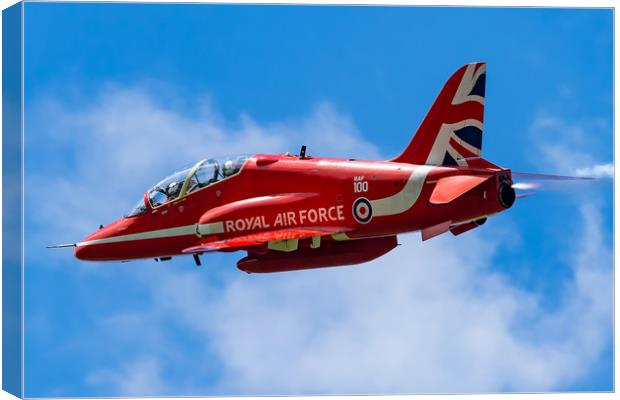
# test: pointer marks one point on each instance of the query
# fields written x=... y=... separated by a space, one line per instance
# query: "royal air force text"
x=287 y=219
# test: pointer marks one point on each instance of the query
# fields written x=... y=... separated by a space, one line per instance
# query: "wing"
x=331 y=253
x=281 y=239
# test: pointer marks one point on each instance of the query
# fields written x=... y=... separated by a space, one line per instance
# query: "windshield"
x=188 y=180
x=139 y=208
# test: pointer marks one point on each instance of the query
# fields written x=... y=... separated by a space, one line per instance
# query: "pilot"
x=229 y=168
x=173 y=190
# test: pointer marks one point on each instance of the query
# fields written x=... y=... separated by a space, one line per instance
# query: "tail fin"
x=451 y=132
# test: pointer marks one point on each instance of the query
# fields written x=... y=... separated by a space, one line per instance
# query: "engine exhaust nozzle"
x=506 y=195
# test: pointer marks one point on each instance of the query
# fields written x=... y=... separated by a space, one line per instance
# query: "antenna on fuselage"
x=302 y=152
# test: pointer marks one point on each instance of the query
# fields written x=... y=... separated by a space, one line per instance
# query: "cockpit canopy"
x=190 y=179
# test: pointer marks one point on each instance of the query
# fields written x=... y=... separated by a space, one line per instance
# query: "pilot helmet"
x=173 y=188
x=229 y=168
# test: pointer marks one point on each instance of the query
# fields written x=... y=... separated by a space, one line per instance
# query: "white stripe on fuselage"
x=406 y=198
x=391 y=205
x=186 y=230
x=399 y=202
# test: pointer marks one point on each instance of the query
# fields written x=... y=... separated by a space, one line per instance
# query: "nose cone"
x=88 y=250
x=93 y=247
x=82 y=253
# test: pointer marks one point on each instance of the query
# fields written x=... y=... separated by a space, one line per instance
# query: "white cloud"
x=134 y=379
x=124 y=140
x=597 y=171
x=570 y=147
x=428 y=317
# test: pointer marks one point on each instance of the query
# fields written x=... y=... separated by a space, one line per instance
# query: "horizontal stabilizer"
x=257 y=239
x=435 y=230
x=450 y=188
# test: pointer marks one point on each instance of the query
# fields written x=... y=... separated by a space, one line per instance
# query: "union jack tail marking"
x=451 y=132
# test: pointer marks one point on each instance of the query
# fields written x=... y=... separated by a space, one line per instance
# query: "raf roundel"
x=362 y=210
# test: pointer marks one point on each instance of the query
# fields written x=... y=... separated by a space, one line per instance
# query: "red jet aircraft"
x=291 y=212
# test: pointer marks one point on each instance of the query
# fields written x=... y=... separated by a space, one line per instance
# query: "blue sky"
x=118 y=95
